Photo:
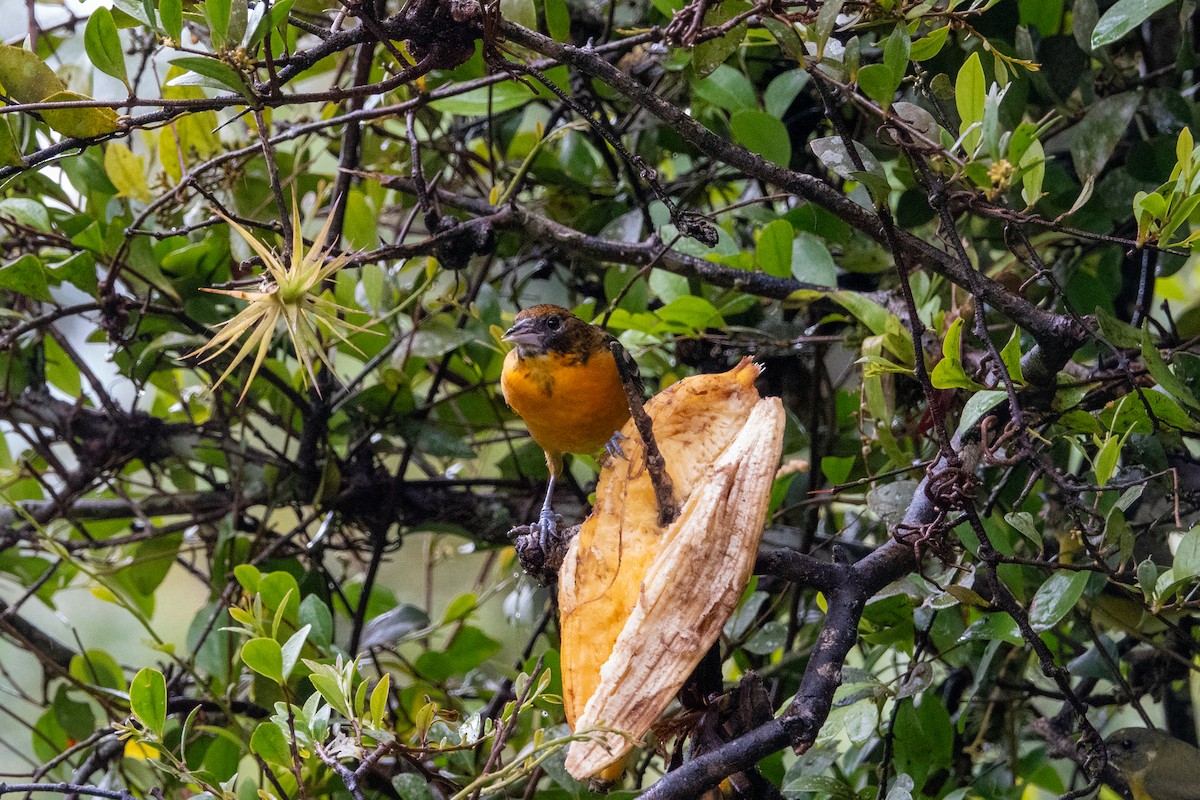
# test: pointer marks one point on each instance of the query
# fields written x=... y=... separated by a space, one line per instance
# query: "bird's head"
x=1131 y=749
x=548 y=328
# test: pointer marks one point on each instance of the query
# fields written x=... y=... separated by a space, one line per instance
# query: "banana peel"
x=639 y=604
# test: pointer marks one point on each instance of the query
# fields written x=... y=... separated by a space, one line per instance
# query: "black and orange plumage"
x=562 y=380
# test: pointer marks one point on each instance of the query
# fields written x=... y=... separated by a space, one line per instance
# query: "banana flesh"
x=640 y=605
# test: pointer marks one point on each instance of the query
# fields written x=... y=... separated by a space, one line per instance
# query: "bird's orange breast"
x=569 y=404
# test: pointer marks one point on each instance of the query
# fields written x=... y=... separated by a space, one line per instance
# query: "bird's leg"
x=613 y=446
x=547 y=528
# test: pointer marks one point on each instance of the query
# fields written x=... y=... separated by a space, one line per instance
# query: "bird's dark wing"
x=627 y=366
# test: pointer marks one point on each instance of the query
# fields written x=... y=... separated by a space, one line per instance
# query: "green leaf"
x=558 y=19
x=485 y=100
x=812 y=262
x=225 y=75
x=83 y=123
x=171 y=14
x=522 y=12
x=710 y=54
x=834 y=155
x=331 y=690
x=279 y=13
x=26 y=276
x=60 y=371
x=412 y=787
x=270 y=744
x=438 y=339
x=1147 y=574
x=10 y=151
x=148 y=699
x=315 y=614
x=152 y=560
x=783 y=90
x=994 y=626
x=826 y=22
x=1119 y=533
x=690 y=314
x=1033 y=172
x=785 y=36
x=1106 y=458
x=1023 y=522
x=774 y=249
x=924 y=737
x=896 y=51
x=1084 y=16
x=1096 y=136
x=469 y=648
x=1010 y=356
x=127 y=172
x=1045 y=15
x=217 y=13
x=25 y=211
x=25 y=77
x=1131 y=416
x=726 y=88
x=379 y=699
x=98 y=668
x=970 y=95
x=666 y=286
x=878 y=83
x=870 y=313
x=279 y=590
x=103 y=45
x=1162 y=374
x=1187 y=555
x=762 y=134
x=978 y=406
x=238 y=15
x=1122 y=17
x=1120 y=334
x=248 y=576
x=837 y=468
x=264 y=656
x=1056 y=597
x=290 y=652
x=803 y=785
x=929 y=45
x=949 y=373
x=136 y=9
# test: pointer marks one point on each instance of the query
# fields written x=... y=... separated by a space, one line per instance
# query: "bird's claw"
x=547 y=528
x=613 y=446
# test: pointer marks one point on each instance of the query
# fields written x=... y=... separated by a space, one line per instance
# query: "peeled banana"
x=640 y=605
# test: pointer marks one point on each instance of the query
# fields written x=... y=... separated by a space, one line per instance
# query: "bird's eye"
x=1126 y=744
x=553 y=323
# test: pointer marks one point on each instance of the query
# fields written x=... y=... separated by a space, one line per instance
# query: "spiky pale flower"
x=291 y=294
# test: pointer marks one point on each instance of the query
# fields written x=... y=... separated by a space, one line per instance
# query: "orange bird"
x=562 y=379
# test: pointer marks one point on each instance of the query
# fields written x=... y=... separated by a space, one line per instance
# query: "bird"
x=1156 y=765
x=562 y=379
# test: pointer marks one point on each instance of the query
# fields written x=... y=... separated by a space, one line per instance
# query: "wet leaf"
x=1056 y=597
x=1123 y=17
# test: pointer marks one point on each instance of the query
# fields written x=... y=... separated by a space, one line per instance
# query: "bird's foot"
x=541 y=546
x=613 y=446
x=547 y=528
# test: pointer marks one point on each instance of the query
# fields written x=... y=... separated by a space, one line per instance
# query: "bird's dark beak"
x=521 y=333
